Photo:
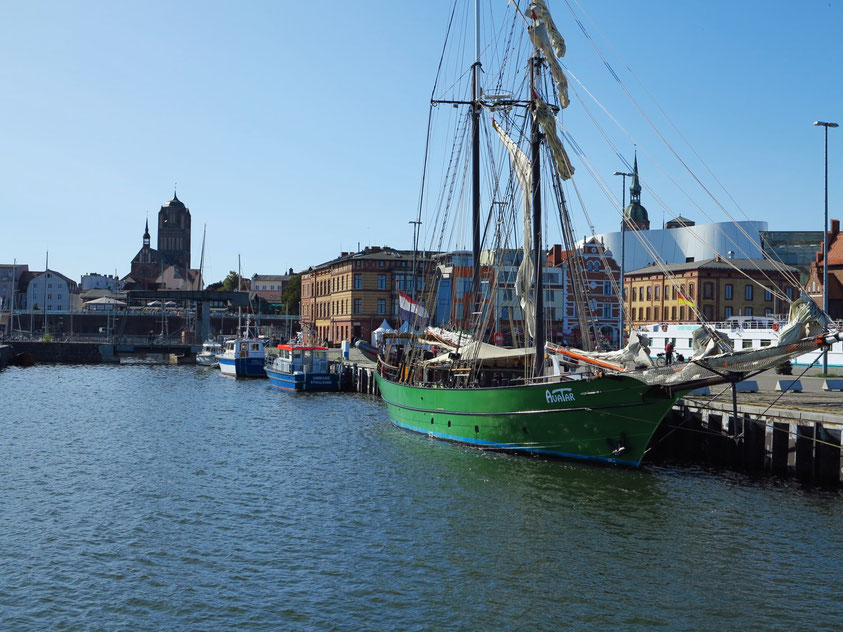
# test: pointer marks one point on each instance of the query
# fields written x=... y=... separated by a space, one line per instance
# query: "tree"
x=232 y=283
x=291 y=294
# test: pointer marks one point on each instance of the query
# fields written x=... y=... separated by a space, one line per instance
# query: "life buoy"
x=664 y=327
x=775 y=326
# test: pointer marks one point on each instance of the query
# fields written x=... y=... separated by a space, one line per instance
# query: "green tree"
x=291 y=294
x=231 y=283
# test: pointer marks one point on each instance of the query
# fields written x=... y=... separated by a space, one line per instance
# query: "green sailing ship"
x=458 y=387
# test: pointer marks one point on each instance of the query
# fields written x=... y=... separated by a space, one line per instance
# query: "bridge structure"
x=204 y=299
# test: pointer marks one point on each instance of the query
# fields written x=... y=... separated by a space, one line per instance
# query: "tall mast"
x=538 y=263
x=475 y=160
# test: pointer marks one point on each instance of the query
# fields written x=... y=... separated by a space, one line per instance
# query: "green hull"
x=609 y=419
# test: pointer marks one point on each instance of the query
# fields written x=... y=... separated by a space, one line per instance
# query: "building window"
x=748 y=292
x=673 y=313
x=789 y=292
x=381 y=306
x=607 y=310
x=728 y=291
x=358 y=282
x=358 y=305
x=747 y=311
x=647 y=313
x=707 y=312
x=691 y=291
x=768 y=311
x=708 y=290
x=381 y=281
x=682 y=312
x=607 y=288
x=728 y=312
x=656 y=294
x=656 y=313
x=649 y=293
x=634 y=294
x=768 y=295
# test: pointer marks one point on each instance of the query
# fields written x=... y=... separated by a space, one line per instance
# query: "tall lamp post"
x=624 y=175
x=826 y=125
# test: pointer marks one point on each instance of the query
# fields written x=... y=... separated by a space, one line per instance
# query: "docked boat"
x=208 y=356
x=302 y=368
x=744 y=332
x=242 y=357
x=519 y=399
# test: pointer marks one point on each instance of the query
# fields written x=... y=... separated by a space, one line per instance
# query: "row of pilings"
x=779 y=441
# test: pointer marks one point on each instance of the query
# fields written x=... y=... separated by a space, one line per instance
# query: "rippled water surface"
x=171 y=498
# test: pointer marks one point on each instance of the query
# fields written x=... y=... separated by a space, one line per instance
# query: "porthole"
x=476 y=429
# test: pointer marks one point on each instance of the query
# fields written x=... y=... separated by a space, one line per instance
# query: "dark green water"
x=172 y=498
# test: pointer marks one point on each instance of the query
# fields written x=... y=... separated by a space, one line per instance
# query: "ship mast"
x=536 y=138
x=475 y=161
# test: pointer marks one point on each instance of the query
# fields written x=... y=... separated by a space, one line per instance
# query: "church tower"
x=174 y=234
x=635 y=213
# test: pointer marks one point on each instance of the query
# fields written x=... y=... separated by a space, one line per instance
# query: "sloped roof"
x=714 y=264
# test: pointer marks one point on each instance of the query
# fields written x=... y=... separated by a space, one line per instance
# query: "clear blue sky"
x=296 y=130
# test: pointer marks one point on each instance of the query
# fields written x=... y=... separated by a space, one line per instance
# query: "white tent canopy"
x=378 y=334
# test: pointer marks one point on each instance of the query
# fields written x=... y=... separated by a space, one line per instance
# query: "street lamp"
x=826 y=125
x=624 y=175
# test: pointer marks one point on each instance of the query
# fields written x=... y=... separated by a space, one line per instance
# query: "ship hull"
x=609 y=419
x=242 y=367
x=302 y=381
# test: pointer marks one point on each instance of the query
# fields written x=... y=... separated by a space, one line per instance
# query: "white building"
x=52 y=291
x=685 y=244
x=94 y=281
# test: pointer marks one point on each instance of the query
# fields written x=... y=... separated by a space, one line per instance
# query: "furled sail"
x=547 y=121
x=550 y=43
x=804 y=319
x=522 y=167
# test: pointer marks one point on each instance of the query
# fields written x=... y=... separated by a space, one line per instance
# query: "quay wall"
x=5 y=355
x=65 y=352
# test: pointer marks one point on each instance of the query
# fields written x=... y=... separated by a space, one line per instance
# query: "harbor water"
x=152 y=497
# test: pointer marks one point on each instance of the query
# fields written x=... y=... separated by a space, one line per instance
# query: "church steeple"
x=146 y=234
x=635 y=185
x=636 y=215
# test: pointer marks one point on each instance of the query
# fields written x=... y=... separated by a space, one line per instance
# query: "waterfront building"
x=51 y=291
x=94 y=281
x=602 y=282
x=681 y=240
x=795 y=248
x=348 y=297
x=814 y=285
x=10 y=286
x=270 y=286
x=719 y=289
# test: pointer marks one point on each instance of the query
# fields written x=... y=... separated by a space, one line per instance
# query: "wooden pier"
x=783 y=441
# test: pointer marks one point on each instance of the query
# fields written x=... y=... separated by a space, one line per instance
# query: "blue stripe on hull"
x=512 y=448
x=303 y=381
x=243 y=367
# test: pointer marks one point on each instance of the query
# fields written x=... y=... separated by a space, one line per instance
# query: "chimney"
x=835 y=228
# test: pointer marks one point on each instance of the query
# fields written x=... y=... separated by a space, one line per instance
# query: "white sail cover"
x=804 y=319
x=523 y=171
x=547 y=121
x=550 y=43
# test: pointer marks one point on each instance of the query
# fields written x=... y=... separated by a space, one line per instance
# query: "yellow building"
x=350 y=296
x=712 y=290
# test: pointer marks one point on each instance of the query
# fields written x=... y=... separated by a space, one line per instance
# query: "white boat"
x=243 y=357
x=745 y=332
x=208 y=355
